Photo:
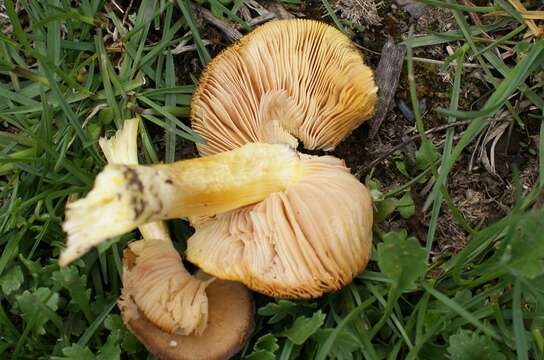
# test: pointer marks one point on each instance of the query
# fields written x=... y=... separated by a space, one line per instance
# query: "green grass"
x=64 y=82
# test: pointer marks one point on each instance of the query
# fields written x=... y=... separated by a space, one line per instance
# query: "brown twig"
x=414 y=138
x=264 y=14
x=261 y=19
x=228 y=29
x=279 y=10
x=474 y=17
x=387 y=79
x=181 y=48
x=440 y=62
x=127 y=11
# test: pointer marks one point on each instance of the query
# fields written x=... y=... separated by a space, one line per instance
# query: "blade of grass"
x=17 y=28
x=461 y=311
x=448 y=36
x=23 y=100
x=101 y=95
x=183 y=89
x=159 y=80
x=231 y=15
x=7 y=324
x=455 y=6
x=69 y=79
x=389 y=307
x=519 y=328
x=422 y=311
x=499 y=41
x=10 y=251
x=89 y=332
x=170 y=100
x=510 y=84
x=326 y=347
x=14 y=187
x=72 y=118
x=158 y=48
x=456 y=213
x=541 y=153
x=203 y=53
x=510 y=10
x=447 y=149
x=8 y=41
x=187 y=131
x=65 y=15
x=148 y=145
x=140 y=25
x=24 y=335
x=162 y=124
x=103 y=64
x=332 y=14
x=374 y=276
x=145 y=15
x=425 y=142
x=53 y=35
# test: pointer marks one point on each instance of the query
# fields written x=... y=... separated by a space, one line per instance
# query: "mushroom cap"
x=312 y=238
x=162 y=304
x=287 y=79
x=230 y=322
x=155 y=279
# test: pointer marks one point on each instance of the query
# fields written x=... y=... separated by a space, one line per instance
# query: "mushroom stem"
x=123 y=149
x=178 y=302
x=127 y=196
x=156 y=230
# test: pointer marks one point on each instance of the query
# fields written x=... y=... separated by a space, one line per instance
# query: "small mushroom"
x=176 y=315
x=230 y=321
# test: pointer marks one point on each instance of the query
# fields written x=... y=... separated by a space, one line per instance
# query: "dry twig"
x=387 y=79
x=227 y=28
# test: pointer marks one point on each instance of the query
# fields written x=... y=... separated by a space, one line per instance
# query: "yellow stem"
x=127 y=196
x=155 y=231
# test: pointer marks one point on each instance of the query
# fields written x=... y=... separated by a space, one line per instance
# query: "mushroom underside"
x=310 y=239
x=230 y=322
x=285 y=80
x=155 y=279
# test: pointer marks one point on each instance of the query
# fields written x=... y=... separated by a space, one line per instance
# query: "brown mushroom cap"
x=286 y=79
x=230 y=322
x=174 y=314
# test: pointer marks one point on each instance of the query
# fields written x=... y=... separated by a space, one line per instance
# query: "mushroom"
x=127 y=196
x=281 y=222
x=288 y=79
x=175 y=315
x=230 y=322
x=312 y=238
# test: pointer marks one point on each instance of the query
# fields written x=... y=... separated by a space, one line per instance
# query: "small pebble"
x=406 y=109
x=414 y=8
x=173 y=343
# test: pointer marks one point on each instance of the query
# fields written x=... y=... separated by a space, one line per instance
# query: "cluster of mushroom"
x=267 y=216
